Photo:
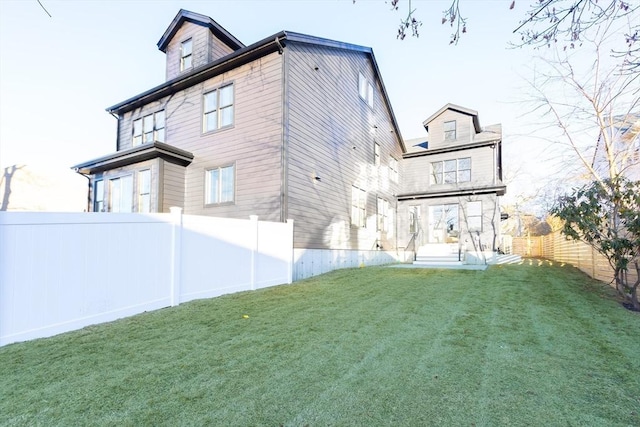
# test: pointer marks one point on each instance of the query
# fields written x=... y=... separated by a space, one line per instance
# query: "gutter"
x=205 y=72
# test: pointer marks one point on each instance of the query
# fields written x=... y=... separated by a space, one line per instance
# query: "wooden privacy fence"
x=60 y=272
x=557 y=247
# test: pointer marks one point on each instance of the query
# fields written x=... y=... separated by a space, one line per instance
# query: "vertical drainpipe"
x=284 y=208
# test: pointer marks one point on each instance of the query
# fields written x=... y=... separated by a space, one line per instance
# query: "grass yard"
x=527 y=345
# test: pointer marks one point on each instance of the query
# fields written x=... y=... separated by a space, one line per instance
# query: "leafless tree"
x=565 y=23
x=590 y=112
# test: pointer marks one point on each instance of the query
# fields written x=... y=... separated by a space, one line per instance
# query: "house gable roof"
x=459 y=109
x=196 y=18
x=276 y=42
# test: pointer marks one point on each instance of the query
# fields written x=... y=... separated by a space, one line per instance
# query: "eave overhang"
x=498 y=190
x=200 y=74
x=452 y=148
x=242 y=56
x=135 y=155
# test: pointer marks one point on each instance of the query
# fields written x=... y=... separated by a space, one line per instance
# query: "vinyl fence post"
x=254 y=249
x=176 y=254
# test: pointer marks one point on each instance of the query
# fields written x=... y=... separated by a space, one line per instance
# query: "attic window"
x=450 y=131
x=186 y=55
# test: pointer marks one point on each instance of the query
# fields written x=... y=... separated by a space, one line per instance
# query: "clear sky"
x=59 y=73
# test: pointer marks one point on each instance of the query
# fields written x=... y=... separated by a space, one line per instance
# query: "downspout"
x=284 y=197
x=117 y=131
x=77 y=170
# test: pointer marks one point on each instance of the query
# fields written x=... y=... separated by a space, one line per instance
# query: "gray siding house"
x=451 y=184
x=292 y=126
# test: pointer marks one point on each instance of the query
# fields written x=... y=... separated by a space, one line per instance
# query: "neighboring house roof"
x=135 y=155
x=459 y=109
x=416 y=145
x=450 y=149
x=205 y=21
x=242 y=56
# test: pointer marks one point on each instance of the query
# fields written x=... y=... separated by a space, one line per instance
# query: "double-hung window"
x=218 y=108
x=121 y=194
x=451 y=171
x=365 y=89
x=219 y=185
x=358 y=207
x=149 y=128
x=474 y=216
x=98 y=196
x=450 y=131
x=186 y=55
x=376 y=154
x=393 y=169
x=383 y=214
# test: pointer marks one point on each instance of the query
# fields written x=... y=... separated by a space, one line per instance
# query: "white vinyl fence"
x=64 y=271
x=312 y=262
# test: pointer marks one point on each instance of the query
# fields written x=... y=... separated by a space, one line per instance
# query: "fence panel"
x=557 y=247
x=60 y=272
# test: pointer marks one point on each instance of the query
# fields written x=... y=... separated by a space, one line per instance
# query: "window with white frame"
x=358 y=207
x=393 y=169
x=365 y=89
x=450 y=131
x=144 y=191
x=186 y=55
x=121 y=194
x=149 y=128
x=218 y=108
x=474 y=216
x=383 y=214
x=376 y=154
x=220 y=185
x=451 y=171
x=98 y=196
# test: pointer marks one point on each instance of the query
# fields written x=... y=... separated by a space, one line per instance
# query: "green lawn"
x=539 y=345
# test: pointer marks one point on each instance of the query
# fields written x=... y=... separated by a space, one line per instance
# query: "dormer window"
x=186 y=55
x=450 y=131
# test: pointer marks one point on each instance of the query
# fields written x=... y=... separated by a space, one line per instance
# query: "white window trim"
x=217 y=110
x=393 y=169
x=358 y=207
x=365 y=90
x=448 y=133
x=208 y=190
x=156 y=129
x=441 y=175
x=141 y=192
x=183 y=57
x=98 y=196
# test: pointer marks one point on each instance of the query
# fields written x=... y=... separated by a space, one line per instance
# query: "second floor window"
x=219 y=185
x=218 y=108
x=149 y=128
x=450 y=131
x=451 y=171
x=376 y=154
x=186 y=55
x=393 y=169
